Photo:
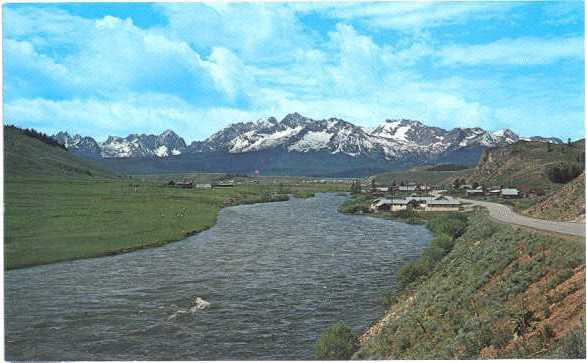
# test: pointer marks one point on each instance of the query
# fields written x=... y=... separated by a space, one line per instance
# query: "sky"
x=119 y=68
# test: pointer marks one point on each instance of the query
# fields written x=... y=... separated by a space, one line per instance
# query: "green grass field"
x=59 y=207
x=55 y=219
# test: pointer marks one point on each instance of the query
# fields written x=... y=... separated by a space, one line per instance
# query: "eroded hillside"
x=567 y=204
x=502 y=292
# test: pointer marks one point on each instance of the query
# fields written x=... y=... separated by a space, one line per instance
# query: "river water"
x=276 y=275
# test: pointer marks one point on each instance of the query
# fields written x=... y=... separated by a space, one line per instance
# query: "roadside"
x=505 y=214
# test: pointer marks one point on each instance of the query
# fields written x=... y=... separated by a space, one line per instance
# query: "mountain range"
x=393 y=140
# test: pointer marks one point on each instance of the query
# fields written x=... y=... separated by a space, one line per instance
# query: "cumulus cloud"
x=209 y=65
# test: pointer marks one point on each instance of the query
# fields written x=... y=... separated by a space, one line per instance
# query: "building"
x=428 y=204
x=184 y=184
x=407 y=188
x=443 y=204
x=510 y=193
x=495 y=191
x=204 y=186
x=224 y=184
x=475 y=192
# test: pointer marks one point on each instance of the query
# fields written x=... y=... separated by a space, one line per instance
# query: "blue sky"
x=114 y=69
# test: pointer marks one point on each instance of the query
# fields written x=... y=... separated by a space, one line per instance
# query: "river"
x=276 y=275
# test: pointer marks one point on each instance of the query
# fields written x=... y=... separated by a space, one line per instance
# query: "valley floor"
x=50 y=219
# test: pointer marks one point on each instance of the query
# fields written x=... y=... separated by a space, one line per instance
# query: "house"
x=393 y=205
x=428 y=204
x=443 y=204
x=184 y=184
x=204 y=186
x=224 y=184
x=381 y=189
x=495 y=191
x=407 y=188
x=466 y=186
x=510 y=193
x=424 y=188
x=475 y=192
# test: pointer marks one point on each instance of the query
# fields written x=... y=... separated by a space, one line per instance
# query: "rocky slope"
x=502 y=292
x=134 y=145
x=567 y=204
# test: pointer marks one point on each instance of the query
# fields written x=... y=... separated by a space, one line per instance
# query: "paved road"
x=505 y=214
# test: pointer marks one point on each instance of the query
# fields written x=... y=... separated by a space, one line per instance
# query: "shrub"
x=572 y=346
x=337 y=343
x=452 y=225
x=409 y=273
x=563 y=172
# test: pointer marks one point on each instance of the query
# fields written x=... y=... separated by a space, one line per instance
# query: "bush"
x=452 y=225
x=410 y=273
x=337 y=343
x=572 y=346
x=563 y=172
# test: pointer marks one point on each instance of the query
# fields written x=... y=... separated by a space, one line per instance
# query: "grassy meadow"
x=54 y=219
x=59 y=207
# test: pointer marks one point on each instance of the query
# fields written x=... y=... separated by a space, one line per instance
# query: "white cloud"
x=520 y=51
x=262 y=32
x=150 y=113
x=409 y=16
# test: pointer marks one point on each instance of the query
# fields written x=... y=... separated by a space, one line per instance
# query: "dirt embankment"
x=567 y=204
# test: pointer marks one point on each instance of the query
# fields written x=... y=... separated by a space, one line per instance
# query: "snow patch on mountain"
x=312 y=140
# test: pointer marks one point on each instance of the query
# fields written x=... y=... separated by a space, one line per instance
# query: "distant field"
x=59 y=207
x=421 y=176
x=56 y=219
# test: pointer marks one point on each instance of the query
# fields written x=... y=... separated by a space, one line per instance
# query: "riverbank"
x=59 y=219
x=500 y=292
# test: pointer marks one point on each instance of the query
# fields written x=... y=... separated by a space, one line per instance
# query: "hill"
x=422 y=175
x=566 y=204
x=501 y=292
x=28 y=154
x=525 y=165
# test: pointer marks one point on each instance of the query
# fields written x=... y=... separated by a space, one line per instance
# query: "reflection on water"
x=275 y=274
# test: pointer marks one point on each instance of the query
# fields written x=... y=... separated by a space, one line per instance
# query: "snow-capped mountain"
x=393 y=140
x=83 y=146
x=134 y=145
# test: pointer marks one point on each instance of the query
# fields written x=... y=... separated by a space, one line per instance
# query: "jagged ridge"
x=393 y=140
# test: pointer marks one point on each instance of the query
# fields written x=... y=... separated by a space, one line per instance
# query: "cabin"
x=475 y=192
x=407 y=188
x=427 y=204
x=184 y=184
x=443 y=204
x=223 y=184
x=510 y=193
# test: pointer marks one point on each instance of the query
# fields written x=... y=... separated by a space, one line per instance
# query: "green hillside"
x=421 y=175
x=26 y=156
x=58 y=207
x=525 y=165
x=501 y=292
